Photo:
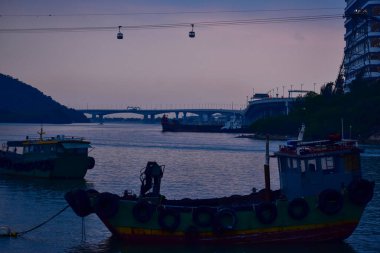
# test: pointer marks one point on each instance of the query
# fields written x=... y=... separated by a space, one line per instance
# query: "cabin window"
x=294 y=165
x=81 y=150
x=289 y=163
x=17 y=150
x=312 y=165
x=35 y=149
x=327 y=164
x=26 y=149
x=303 y=166
x=76 y=151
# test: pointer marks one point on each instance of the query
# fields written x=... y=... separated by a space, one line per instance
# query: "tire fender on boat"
x=169 y=219
x=330 y=201
x=79 y=202
x=266 y=212
x=225 y=220
x=90 y=162
x=298 y=208
x=203 y=216
x=360 y=191
x=142 y=211
x=107 y=205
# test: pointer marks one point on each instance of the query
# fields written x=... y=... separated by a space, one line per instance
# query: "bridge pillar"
x=152 y=118
x=176 y=115
x=149 y=118
x=184 y=118
x=206 y=117
x=101 y=118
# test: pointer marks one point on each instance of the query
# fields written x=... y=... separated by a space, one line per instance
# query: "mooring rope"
x=83 y=230
x=15 y=234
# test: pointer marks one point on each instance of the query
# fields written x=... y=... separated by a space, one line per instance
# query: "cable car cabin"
x=192 y=33
x=307 y=168
x=119 y=36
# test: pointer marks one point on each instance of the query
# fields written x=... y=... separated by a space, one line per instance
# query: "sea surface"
x=197 y=165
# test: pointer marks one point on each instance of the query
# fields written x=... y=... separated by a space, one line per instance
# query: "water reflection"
x=113 y=245
x=22 y=184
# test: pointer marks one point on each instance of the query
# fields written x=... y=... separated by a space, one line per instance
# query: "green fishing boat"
x=52 y=157
x=322 y=197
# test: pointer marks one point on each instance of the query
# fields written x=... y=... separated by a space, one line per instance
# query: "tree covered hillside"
x=322 y=114
x=22 y=103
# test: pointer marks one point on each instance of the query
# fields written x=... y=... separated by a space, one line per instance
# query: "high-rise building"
x=362 y=51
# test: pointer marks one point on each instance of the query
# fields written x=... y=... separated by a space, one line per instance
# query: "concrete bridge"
x=149 y=114
x=256 y=109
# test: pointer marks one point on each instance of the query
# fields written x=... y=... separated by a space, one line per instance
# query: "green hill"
x=322 y=114
x=22 y=103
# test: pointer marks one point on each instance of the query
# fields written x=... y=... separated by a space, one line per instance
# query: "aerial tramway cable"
x=219 y=23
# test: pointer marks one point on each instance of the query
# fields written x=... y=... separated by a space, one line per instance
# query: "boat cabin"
x=307 y=168
x=54 y=145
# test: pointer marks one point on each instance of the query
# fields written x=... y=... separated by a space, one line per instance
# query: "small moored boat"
x=54 y=157
x=322 y=197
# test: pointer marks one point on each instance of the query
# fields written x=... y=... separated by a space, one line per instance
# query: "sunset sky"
x=164 y=67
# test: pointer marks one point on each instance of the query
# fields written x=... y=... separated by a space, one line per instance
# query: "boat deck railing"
x=318 y=148
x=36 y=140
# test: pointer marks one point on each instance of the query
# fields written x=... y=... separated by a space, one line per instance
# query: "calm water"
x=197 y=165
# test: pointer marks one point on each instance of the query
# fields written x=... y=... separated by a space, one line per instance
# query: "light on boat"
x=119 y=35
x=192 y=33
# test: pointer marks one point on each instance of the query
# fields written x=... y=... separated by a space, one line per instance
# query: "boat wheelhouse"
x=307 y=167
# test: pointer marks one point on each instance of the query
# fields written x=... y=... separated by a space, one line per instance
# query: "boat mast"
x=41 y=133
x=266 y=171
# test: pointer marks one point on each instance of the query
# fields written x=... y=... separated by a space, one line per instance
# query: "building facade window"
x=375 y=10
x=375 y=42
x=362 y=40
x=375 y=26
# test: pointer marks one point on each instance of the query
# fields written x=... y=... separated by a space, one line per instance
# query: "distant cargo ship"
x=216 y=127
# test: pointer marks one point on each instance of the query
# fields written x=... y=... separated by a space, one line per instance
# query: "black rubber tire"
x=330 y=201
x=225 y=220
x=360 y=191
x=203 y=216
x=79 y=202
x=266 y=212
x=169 y=219
x=107 y=205
x=143 y=211
x=90 y=162
x=298 y=209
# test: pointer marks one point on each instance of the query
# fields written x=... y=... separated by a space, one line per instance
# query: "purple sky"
x=163 y=67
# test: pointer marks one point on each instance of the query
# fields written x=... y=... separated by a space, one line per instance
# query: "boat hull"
x=70 y=167
x=248 y=229
x=178 y=127
x=296 y=234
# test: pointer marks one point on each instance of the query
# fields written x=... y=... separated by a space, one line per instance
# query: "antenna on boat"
x=41 y=133
x=266 y=170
